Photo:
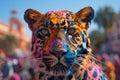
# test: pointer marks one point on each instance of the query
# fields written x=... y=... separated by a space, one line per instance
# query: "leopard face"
x=58 y=37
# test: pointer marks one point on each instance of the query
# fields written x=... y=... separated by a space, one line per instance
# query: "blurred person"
x=25 y=65
x=32 y=73
x=16 y=69
x=1 y=73
x=11 y=71
x=108 y=67
x=5 y=70
x=17 y=66
x=117 y=66
x=25 y=74
x=15 y=76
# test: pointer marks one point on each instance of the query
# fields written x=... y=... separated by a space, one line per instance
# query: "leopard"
x=61 y=44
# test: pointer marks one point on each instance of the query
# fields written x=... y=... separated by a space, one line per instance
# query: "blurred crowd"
x=110 y=64
x=25 y=67
x=17 y=68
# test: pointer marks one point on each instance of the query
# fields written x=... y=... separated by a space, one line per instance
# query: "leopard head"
x=59 y=36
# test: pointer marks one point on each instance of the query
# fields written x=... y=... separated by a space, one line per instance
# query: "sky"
x=46 y=5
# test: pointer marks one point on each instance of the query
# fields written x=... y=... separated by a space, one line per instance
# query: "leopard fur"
x=61 y=44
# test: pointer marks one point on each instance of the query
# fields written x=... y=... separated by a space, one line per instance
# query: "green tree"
x=8 y=43
x=105 y=17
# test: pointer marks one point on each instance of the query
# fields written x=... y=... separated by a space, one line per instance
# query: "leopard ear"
x=86 y=14
x=33 y=18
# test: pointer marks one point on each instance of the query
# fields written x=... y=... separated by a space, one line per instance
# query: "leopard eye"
x=43 y=32
x=63 y=23
x=71 y=31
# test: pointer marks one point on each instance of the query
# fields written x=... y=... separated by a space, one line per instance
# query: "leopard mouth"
x=51 y=60
x=54 y=65
x=59 y=69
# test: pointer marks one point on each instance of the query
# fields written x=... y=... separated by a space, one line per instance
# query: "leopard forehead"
x=59 y=14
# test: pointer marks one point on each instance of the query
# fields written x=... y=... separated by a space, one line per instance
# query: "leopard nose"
x=58 y=53
x=58 y=48
x=57 y=45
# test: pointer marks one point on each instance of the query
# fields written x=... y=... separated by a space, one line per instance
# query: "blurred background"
x=16 y=62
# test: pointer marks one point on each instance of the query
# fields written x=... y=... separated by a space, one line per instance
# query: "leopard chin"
x=59 y=69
